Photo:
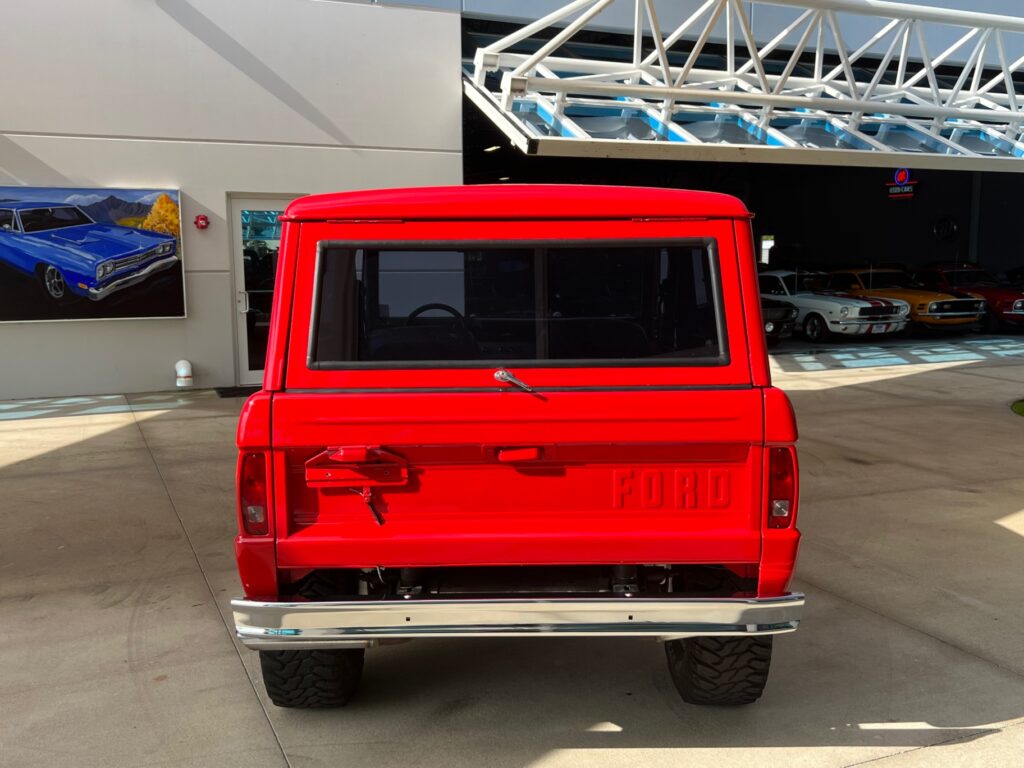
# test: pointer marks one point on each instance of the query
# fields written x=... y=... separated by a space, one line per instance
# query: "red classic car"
x=1004 y=303
x=516 y=411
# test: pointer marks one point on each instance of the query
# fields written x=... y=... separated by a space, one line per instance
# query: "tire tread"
x=311 y=678
x=726 y=671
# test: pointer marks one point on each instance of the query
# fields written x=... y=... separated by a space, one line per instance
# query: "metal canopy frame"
x=808 y=95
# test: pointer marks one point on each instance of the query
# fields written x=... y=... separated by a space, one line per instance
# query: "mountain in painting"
x=113 y=209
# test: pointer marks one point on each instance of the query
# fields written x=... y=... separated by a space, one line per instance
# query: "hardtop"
x=516 y=201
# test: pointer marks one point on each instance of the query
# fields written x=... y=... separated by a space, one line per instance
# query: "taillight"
x=781 y=487
x=252 y=494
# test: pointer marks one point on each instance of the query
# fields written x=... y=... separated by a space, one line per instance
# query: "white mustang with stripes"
x=823 y=313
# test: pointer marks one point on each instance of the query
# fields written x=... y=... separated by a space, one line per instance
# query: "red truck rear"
x=516 y=411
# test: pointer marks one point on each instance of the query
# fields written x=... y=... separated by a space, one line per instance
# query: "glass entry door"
x=255 y=243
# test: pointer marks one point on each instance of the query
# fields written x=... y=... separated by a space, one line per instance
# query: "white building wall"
x=212 y=97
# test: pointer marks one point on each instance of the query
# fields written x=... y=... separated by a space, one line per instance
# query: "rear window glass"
x=550 y=305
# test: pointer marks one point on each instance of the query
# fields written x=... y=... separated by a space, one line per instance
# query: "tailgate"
x=509 y=477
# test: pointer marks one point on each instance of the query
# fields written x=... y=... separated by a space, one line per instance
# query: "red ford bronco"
x=516 y=411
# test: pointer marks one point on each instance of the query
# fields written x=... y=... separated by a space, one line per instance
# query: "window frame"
x=15 y=224
x=708 y=244
x=778 y=282
x=286 y=356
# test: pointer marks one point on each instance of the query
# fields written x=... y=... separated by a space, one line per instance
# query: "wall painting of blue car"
x=82 y=253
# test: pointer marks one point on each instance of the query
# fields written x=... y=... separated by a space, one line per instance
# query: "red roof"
x=516 y=201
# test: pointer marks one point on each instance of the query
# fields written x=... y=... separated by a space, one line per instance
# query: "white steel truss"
x=815 y=89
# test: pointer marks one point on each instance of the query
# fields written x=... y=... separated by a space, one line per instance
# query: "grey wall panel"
x=205 y=172
x=295 y=71
x=137 y=355
x=441 y=5
x=103 y=357
x=212 y=97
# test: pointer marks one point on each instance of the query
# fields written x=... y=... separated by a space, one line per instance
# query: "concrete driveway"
x=116 y=569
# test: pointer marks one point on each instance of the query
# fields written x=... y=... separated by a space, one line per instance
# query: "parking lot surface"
x=116 y=571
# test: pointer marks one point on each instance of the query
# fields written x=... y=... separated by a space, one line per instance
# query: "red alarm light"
x=202 y=221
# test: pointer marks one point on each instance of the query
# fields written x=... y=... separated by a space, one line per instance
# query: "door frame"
x=236 y=202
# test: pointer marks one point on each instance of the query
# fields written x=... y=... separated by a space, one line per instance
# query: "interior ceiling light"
x=495 y=148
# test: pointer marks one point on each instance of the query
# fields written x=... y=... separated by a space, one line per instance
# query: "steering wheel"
x=444 y=308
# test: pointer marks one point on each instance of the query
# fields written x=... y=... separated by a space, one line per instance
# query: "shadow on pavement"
x=118 y=544
x=799 y=355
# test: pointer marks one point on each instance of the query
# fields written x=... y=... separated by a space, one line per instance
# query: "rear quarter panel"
x=373 y=417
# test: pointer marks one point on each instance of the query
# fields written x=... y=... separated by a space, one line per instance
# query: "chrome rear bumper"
x=281 y=626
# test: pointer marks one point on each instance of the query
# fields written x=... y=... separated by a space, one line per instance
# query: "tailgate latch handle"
x=351 y=454
x=359 y=469
x=367 y=496
x=361 y=466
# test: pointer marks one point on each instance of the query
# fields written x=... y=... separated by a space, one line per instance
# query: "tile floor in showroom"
x=116 y=568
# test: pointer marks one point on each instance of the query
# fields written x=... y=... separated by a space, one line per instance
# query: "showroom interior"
x=828 y=217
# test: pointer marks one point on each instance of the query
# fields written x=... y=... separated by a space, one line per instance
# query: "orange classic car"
x=928 y=307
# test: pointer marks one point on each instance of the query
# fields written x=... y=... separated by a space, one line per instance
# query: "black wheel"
x=312 y=679
x=990 y=323
x=816 y=329
x=719 y=670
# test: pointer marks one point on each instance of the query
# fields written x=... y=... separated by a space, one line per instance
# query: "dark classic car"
x=779 y=318
x=74 y=256
x=1004 y=303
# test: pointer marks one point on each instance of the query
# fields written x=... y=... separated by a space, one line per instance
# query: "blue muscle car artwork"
x=72 y=255
x=90 y=253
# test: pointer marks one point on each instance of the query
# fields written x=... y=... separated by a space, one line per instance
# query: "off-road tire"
x=312 y=679
x=724 y=671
